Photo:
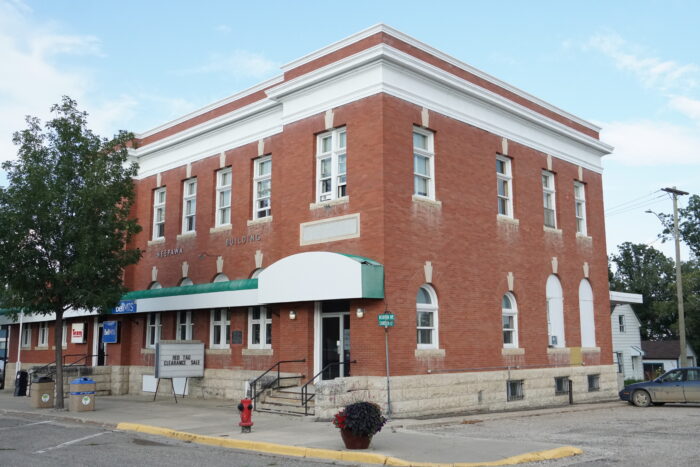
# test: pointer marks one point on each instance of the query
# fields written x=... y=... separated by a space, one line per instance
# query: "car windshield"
x=671 y=376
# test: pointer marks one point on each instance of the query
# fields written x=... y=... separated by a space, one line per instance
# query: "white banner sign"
x=77 y=335
x=179 y=359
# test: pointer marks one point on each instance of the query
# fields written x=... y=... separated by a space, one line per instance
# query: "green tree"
x=64 y=220
x=691 y=301
x=688 y=225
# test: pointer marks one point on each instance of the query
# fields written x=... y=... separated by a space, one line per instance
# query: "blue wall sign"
x=110 y=332
x=125 y=306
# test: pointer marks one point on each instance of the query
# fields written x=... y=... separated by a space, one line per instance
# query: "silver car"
x=680 y=385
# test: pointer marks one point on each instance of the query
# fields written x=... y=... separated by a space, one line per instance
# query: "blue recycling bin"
x=82 y=395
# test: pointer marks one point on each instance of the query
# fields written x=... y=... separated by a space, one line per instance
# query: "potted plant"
x=358 y=422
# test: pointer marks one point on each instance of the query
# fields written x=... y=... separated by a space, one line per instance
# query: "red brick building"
x=376 y=175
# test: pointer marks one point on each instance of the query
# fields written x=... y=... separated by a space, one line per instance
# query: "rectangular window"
x=504 y=180
x=43 y=335
x=621 y=323
x=561 y=385
x=152 y=330
x=220 y=328
x=514 y=389
x=509 y=330
x=262 y=187
x=223 y=197
x=423 y=163
x=580 y=200
x=27 y=335
x=593 y=383
x=548 y=195
x=64 y=337
x=189 y=205
x=184 y=326
x=426 y=329
x=159 y=214
x=259 y=328
x=331 y=167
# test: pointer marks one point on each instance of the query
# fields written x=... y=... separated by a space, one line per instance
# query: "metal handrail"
x=254 y=385
x=305 y=398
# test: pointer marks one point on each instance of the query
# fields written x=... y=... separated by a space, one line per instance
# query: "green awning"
x=227 y=286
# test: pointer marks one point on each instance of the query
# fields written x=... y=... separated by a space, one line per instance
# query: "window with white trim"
x=184 y=326
x=331 y=166
x=509 y=311
x=26 y=335
x=549 y=199
x=189 y=205
x=621 y=323
x=259 y=328
x=580 y=200
x=423 y=163
x=223 y=197
x=152 y=330
x=159 y=214
x=220 y=328
x=43 y=334
x=504 y=182
x=515 y=390
x=555 y=312
x=262 y=187
x=427 y=318
x=64 y=337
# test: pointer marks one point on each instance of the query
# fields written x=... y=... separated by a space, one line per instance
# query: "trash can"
x=42 y=392
x=21 y=383
x=82 y=395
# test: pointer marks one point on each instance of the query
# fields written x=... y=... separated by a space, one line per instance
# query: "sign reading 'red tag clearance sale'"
x=179 y=359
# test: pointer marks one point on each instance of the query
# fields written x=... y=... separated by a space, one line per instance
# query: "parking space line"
x=68 y=443
x=22 y=426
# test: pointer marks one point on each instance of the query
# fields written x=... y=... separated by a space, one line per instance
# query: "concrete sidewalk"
x=215 y=422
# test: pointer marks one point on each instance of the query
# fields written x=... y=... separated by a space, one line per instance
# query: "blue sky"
x=631 y=67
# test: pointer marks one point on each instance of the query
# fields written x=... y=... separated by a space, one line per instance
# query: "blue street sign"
x=110 y=332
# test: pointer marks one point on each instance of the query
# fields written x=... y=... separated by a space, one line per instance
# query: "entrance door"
x=100 y=346
x=335 y=344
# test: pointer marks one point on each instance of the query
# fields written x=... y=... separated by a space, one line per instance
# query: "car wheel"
x=641 y=398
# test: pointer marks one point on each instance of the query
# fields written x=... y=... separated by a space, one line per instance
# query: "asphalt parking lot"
x=609 y=434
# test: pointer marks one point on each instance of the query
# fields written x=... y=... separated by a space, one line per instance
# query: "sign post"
x=386 y=320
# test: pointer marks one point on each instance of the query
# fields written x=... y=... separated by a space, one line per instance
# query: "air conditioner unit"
x=553 y=341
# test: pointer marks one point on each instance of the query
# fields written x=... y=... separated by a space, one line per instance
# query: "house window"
x=184 y=325
x=620 y=362
x=549 y=198
x=514 y=389
x=189 y=205
x=159 y=214
x=152 y=330
x=510 y=321
x=621 y=323
x=331 y=167
x=423 y=163
x=504 y=180
x=259 y=328
x=427 y=317
x=223 y=197
x=593 y=383
x=262 y=187
x=27 y=335
x=221 y=277
x=580 y=200
x=220 y=328
x=555 y=312
x=64 y=336
x=586 y=315
x=43 y=334
x=185 y=281
x=561 y=385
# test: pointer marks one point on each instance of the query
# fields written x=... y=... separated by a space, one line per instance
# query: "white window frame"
x=580 y=208
x=505 y=177
x=184 y=325
x=223 y=209
x=621 y=323
x=264 y=323
x=259 y=179
x=189 y=198
x=512 y=312
x=26 y=337
x=220 y=327
x=429 y=154
x=432 y=308
x=337 y=154
x=549 y=198
x=43 y=339
x=159 y=213
x=153 y=329
x=64 y=337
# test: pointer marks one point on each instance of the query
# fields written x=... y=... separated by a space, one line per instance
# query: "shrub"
x=360 y=418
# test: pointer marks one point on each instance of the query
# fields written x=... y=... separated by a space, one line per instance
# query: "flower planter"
x=354 y=441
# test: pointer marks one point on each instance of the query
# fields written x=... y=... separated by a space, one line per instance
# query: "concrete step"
x=271 y=399
x=283 y=408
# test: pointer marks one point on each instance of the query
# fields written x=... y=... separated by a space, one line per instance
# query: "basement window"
x=561 y=385
x=593 y=383
x=514 y=390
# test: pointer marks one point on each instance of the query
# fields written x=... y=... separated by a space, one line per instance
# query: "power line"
x=648 y=195
x=634 y=207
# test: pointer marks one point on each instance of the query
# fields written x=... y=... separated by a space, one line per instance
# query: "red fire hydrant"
x=246 y=410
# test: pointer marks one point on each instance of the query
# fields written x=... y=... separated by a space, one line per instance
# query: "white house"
x=662 y=356
x=626 y=339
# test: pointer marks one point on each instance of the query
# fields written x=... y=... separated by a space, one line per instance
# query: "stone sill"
x=430 y=353
x=186 y=235
x=328 y=204
x=558 y=350
x=590 y=349
x=426 y=201
x=512 y=351
x=217 y=351
x=221 y=228
x=147 y=351
x=552 y=230
x=507 y=219
x=262 y=220
x=584 y=237
x=158 y=241
x=257 y=352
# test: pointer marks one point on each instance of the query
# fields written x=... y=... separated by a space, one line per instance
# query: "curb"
x=345 y=456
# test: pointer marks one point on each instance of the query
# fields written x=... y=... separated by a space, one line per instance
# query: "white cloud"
x=652 y=143
x=687 y=106
x=239 y=62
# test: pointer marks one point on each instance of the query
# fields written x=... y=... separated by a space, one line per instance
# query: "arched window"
x=186 y=281
x=509 y=311
x=427 y=318
x=155 y=285
x=555 y=312
x=256 y=273
x=221 y=277
x=585 y=308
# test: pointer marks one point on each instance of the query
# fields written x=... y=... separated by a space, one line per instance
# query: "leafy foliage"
x=688 y=225
x=360 y=418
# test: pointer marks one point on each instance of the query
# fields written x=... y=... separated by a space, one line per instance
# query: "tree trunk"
x=58 y=342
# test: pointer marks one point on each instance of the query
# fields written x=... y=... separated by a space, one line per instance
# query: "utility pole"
x=679 y=280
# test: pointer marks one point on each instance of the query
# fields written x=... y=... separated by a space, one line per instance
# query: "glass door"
x=335 y=347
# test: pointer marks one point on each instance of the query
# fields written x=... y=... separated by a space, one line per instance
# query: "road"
x=610 y=435
x=37 y=442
